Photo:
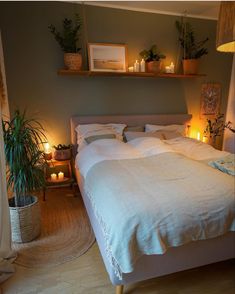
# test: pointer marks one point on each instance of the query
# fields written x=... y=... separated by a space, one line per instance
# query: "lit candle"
x=60 y=176
x=170 y=68
x=131 y=69
x=198 y=136
x=142 y=65
x=53 y=177
x=205 y=139
x=136 y=66
x=47 y=148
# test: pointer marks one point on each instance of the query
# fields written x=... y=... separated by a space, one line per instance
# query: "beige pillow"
x=167 y=135
x=133 y=135
x=134 y=129
x=99 y=137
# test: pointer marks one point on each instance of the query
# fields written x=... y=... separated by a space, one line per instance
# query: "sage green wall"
x=32 y=58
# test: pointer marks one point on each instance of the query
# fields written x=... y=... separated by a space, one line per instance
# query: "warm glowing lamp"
x=226 y=27
x=47 y=151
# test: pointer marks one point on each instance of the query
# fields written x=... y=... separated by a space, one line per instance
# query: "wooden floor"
x=87 y=275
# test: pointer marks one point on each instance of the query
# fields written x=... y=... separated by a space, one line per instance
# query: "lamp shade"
x=226 y=27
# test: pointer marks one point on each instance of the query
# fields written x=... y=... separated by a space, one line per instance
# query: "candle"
x=60 y=176
x=170 y=68
x=131 y=69
x=53 y=177
x=136 y=66
x=198 y=136
x=205 y=139
x=142 y=65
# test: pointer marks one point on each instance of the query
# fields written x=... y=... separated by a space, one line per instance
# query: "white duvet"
x=109 y=149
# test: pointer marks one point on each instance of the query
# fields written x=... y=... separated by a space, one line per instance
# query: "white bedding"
x=109 y=149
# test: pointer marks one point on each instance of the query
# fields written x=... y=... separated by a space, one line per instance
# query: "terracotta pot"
x=153 y=66
x=190 y=66
x=73 y=61
x=62 y=154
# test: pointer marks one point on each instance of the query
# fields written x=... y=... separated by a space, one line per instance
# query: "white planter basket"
x=25 y=222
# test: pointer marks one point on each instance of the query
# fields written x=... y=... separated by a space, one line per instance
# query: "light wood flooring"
x=87 y=275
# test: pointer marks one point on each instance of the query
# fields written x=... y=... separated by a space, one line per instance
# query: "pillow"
x=167 y=135
x=99 y=137
x=172 y=128
x=88 y=130
x=133 y=135
x=134 y=129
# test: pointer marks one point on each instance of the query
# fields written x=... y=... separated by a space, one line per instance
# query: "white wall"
x=229 y=137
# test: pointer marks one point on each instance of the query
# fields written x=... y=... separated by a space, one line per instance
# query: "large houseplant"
x=23 y=139
x=152 y=58
x=68 y=40
x=192 y=49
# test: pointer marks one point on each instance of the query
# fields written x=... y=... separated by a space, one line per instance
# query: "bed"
x=175 y=258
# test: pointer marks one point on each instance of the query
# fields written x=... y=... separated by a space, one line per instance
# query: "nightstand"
x=67 y=181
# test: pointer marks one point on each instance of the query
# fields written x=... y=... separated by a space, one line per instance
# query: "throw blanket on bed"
x=147 y=205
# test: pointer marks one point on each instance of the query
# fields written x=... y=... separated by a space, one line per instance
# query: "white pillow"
x=87 y=130
x=173 y=128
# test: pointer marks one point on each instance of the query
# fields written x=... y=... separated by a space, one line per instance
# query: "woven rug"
x=66 y=232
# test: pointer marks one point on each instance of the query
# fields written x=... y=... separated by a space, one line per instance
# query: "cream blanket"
x=147 y=205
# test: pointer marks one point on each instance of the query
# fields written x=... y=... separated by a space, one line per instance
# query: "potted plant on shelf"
x=23 y=139
x=68 y=41
x=62 y=152
x=192 y=50
x=152 y=58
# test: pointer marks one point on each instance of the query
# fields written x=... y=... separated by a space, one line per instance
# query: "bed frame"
x=176 y=259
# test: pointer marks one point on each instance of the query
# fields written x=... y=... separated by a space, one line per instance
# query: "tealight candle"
x=60 y=176
x=131 y=69
x=53 y=177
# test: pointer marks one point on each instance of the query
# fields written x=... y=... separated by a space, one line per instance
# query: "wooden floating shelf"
x=67 y=72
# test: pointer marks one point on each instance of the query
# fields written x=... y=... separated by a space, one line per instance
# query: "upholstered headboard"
x=130 y=120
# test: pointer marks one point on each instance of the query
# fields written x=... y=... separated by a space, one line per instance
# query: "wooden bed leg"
x=119 y=289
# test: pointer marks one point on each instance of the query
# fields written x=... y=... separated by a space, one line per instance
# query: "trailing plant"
x=215 y=128
x=23 y=139
x=152 y=54
x=62 y=147
x=68 y=38
x=192 y=49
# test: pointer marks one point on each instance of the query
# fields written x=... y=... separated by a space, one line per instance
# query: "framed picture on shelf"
x=107 y=57
x=210 y=99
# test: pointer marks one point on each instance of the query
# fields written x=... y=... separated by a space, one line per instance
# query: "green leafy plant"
x=62 y=147
x=23 y=139
x=215 y=127
x=152 y=54
x=68 y=38
x=192 y=48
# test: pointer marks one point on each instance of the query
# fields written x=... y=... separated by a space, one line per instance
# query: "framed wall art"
x=107 y=57
x=210 y=99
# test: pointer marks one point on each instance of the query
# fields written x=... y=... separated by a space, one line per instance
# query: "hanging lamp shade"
x=226 y=27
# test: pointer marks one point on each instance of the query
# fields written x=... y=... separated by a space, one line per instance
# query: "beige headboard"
x=130 y=120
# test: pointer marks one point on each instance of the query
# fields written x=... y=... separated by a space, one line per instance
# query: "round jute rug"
x=66 y=232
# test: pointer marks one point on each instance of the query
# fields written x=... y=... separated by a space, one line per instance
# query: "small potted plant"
x=62 y=152
x=192 y=49
x=23 y=139
x=215 y=128
x=68 y=40
x=152 y=58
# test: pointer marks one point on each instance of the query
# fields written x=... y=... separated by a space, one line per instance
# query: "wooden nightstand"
x=67 y=181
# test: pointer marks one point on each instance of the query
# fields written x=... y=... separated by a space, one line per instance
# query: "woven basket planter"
x=25 y=221
x=62 y=154
x=73 y=61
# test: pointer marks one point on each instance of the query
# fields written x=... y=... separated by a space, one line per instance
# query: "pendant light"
x=226 y=27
